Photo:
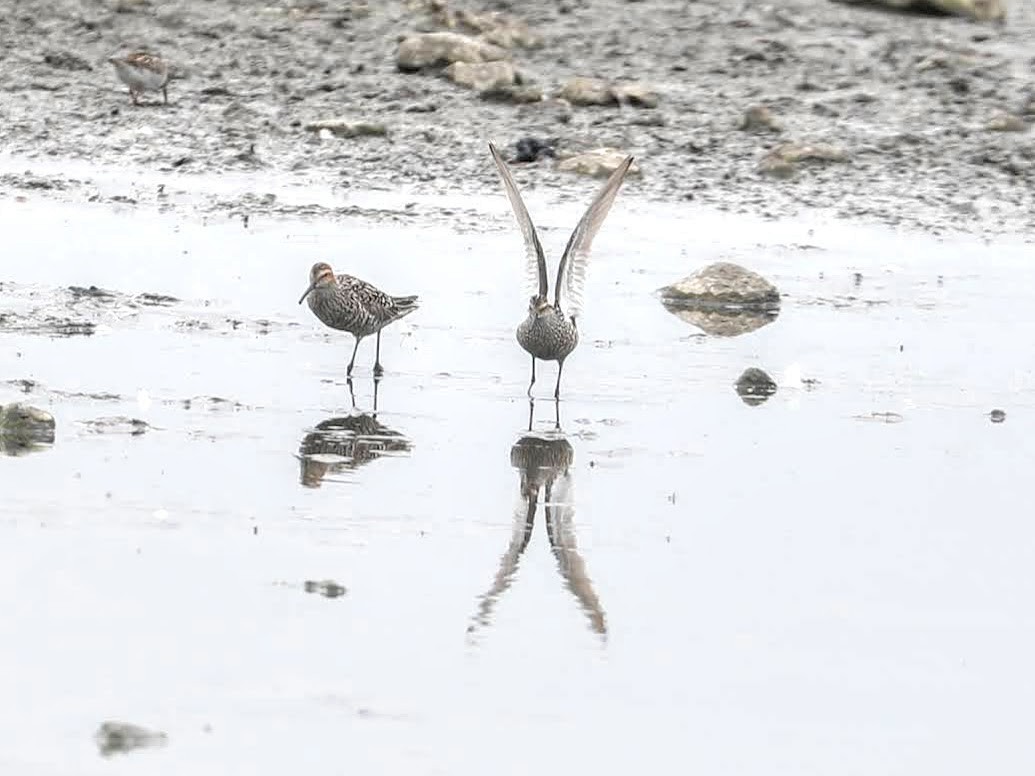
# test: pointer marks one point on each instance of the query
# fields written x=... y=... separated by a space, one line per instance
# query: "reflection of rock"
x=344 y=443
x=436 y=49
x=544 y=463
x=116 y=737
x=723 y=300
x=598 y=163
x=24 y=429
x=755 y=386
x=982 y=10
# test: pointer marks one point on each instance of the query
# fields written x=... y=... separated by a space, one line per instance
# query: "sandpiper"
x=549 y=332
x=142 y=72
x=349 y=304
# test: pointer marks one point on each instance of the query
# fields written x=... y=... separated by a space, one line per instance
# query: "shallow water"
x=795 y=587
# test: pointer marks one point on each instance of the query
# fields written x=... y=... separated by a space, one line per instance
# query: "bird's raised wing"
x=536 y=261
x=571 y=272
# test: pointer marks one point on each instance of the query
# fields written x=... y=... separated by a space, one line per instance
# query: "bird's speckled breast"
x=549 y=336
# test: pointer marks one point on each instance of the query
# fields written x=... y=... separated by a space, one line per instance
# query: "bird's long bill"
x=307 y=292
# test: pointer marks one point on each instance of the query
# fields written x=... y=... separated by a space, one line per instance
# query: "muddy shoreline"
x=909 y=102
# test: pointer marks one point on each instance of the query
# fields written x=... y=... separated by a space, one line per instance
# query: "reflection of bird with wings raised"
x=544 y=463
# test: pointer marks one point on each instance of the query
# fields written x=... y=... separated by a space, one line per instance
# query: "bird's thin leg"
x=557 y=414
x=348 y=371
x=378 y=369
x=165 y=96
x=376 y=384
x=533 y=378
x=352 y=393
x=557 y=390
x=531 y=410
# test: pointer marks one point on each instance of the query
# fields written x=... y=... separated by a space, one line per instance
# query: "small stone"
x=24 y=428
x=755 y=386
x=997 y=416
x=66 y=60
x=328 y=588
x=347 y=128
x=598 y=163
x=531 y=149
x=437 y=49
x=784 y=160
x=1006 y=122
x=982 y=10
x=588 y=91
x=483 y=76
x=121 y=737
x=635 y=93
x=759 y=118
x=515 y=94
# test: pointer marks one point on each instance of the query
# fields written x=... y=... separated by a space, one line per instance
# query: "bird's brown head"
x=537 y=305
x=320 y=275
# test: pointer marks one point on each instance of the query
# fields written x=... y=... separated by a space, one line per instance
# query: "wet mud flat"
x=228 y=559
x=769 y=109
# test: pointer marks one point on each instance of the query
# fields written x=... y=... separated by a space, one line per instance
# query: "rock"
x=982 y=10
x=723 y=284
x=65 y=60
x=436 y=49
x=531 y=149
x=598 y=163
x=596 y=91
x=347 y=128
x=758 y=118
x=1006 y=122
x=498 y=28
x=513 y=94
x=24 y=429
x=997 y=416
x=588 y=91
x=635 y=93
x=754 y=386
x=783 y=160
x=483 y=76
x=114 y=737
x=723 y=299
x=328 y=588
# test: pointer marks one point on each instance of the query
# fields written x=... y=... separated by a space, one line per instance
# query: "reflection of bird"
x=549 y=332
x=352 y=440
x=353 y=305
x=544 y=463
x=142 y=72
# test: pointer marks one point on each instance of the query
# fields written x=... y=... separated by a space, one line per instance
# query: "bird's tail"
x=404 y=305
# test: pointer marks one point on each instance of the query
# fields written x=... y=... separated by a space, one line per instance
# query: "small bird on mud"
x=549 y=332
x=142 y=72
x=353 y=305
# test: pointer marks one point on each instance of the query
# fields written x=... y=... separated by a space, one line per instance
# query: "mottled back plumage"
x=142 y=72
x=550 y=332
x=349 y=304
